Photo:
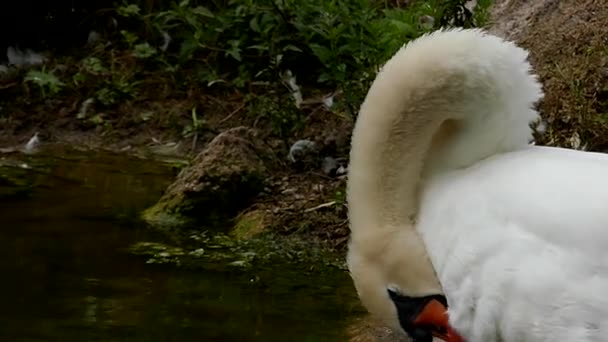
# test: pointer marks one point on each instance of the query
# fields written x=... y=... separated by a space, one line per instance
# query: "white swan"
x=447 y=199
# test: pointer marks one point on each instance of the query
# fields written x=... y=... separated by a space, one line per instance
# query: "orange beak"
x=435 y=314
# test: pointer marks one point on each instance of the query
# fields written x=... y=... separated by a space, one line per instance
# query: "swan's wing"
x=559 y=195
x=520 y=243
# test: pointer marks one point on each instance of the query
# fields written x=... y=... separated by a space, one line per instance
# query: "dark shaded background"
x=59 y=25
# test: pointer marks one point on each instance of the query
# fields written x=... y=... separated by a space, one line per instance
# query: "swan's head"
x=404 y=295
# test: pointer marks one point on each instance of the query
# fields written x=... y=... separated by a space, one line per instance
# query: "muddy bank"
x=253 y=241
x=291 y=197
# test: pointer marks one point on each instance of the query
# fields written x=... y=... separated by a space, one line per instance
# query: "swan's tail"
x=447 y=99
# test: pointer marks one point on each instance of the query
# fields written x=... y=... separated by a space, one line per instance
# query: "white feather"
x=517 y=234
x=519 y=244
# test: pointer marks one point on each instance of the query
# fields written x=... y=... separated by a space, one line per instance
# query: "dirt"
x=366 y=329
x=568 y=44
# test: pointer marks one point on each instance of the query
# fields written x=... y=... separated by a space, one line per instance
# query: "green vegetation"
x=271 y=50
x=219 y=251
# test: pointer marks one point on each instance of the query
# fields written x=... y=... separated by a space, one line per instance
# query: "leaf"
x=254 y=25
x=258 y=47
x=129 y=37
x=97 y=119
x=323 y=53
x=203 y=11
x=324 y=77
x=187 y=48
x=128 y=10
x=291 y=47
x=144 y=50
x=45 y=80
x=94 y=65
x=78 y=78
x=403 y=27
x=234 y=50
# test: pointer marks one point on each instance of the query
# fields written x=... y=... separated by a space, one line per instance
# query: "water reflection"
x=68 y=275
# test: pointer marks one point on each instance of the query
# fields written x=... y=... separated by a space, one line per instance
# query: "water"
x=68 y=276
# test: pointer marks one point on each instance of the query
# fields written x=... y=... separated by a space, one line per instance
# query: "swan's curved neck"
x=402 y=123
x=382 y=193
x=390 y=151
x=443 y=102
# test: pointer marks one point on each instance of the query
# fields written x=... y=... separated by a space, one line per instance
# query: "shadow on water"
x=68 y=275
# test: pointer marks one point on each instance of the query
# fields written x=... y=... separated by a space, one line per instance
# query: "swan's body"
x=523 y=247
x=446 y=196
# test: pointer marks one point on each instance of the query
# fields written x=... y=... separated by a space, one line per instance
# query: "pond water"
x=68 y=274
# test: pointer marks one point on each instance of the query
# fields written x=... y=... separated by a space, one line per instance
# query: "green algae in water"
x=220 y=251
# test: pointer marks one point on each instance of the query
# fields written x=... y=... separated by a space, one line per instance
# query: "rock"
x=32 y=144
x=426 y=22
x=25 y=58
x=341 y=171
x=249 y=224
x=223 y=180
x=302 y=150
x=329 y=166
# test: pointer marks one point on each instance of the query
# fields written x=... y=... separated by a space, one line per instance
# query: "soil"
x=568 y=44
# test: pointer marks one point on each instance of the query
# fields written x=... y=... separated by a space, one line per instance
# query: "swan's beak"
x=424 y=317
x=435 y=314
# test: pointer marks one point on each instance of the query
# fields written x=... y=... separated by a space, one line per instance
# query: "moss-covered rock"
x=223 y=180
x=250 y=224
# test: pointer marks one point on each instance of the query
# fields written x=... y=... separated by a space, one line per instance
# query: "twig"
x=6 y=86
x=219 y=102
x=194 y=140
x=320 y=206
x=322 y=175
x=232 y=114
